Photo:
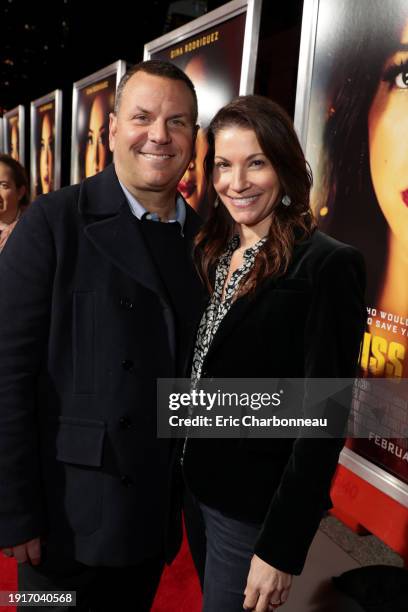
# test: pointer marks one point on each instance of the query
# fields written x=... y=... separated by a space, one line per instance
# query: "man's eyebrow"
x=143 y=110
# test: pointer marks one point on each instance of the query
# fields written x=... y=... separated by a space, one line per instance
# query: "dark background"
x=49 y=45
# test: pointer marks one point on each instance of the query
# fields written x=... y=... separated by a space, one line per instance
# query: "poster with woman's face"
x=14 y=133
x=356 y=142
x=46 y=143
x=93 y=100
x=216 y=83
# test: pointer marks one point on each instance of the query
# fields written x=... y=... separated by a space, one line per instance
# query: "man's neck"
x=162 y=203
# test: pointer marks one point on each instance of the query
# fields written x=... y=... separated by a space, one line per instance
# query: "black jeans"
x=97 y=588
x=230 y=547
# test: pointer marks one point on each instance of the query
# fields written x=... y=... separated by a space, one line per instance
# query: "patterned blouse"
x=217 y=307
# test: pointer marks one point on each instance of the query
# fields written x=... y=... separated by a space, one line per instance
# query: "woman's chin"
x=245 y=217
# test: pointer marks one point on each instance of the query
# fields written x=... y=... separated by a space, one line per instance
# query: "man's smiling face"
x=152 y=134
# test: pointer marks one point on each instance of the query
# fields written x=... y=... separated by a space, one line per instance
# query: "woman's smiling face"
x=388 y=140
x=243 y=176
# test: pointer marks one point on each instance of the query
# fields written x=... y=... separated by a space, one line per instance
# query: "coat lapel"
x=239 y=309
x=244 y=304
x=119 y=239
x=111 y=228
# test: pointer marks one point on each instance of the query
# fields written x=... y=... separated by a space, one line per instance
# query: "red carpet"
x=8 y=578
x=179 y=589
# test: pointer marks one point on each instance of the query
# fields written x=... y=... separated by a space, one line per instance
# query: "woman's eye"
x=396 y=75
x=221 y=165
x=257 y=163
x=401 y=80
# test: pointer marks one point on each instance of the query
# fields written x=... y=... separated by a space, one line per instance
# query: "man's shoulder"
x=66 y=197
x=94 y=191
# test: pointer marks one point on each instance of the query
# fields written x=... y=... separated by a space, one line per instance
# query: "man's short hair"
x=161 y=69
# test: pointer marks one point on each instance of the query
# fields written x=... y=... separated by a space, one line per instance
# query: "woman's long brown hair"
x=277 y=138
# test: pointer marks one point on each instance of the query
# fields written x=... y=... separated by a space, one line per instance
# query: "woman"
x=46 y=164
x=96 y=148
x=45 y=181
x=14 y=139
x=361 y=190
x=192 y=185
x=286 y=301
x=14 y=195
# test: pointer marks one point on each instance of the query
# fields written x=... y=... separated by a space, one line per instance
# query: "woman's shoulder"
x=320 y=245
x=327 y=244
x=320 y=252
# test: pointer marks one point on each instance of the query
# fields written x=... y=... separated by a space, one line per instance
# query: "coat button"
x=126 y=481
x=125 y=422
x=127 y=365
x=126 y=303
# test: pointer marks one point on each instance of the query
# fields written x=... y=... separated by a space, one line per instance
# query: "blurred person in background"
x=14 y=195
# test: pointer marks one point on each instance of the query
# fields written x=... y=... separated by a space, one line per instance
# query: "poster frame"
x=2 y=143
x=56 y=97
x=20 y=111
x=223 y=13
x=118 y=68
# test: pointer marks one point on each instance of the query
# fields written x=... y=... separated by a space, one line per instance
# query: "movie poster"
x=45 y=159
x=355 y=131
x=14 y=133
x=213 y=58
x=93 y=100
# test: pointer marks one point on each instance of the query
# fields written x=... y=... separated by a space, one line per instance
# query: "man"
x=98 y=299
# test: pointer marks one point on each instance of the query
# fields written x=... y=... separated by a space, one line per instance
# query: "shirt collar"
x=234 y=243
x=141 y=213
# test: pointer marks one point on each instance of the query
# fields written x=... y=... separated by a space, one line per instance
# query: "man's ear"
x=21 y=192
x=196 y=128
x=113 y=123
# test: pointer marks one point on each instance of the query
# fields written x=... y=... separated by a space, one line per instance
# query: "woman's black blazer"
x=308 y=323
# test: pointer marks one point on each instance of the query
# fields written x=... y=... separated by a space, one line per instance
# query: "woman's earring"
x=217 y=202
x=286 y=201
